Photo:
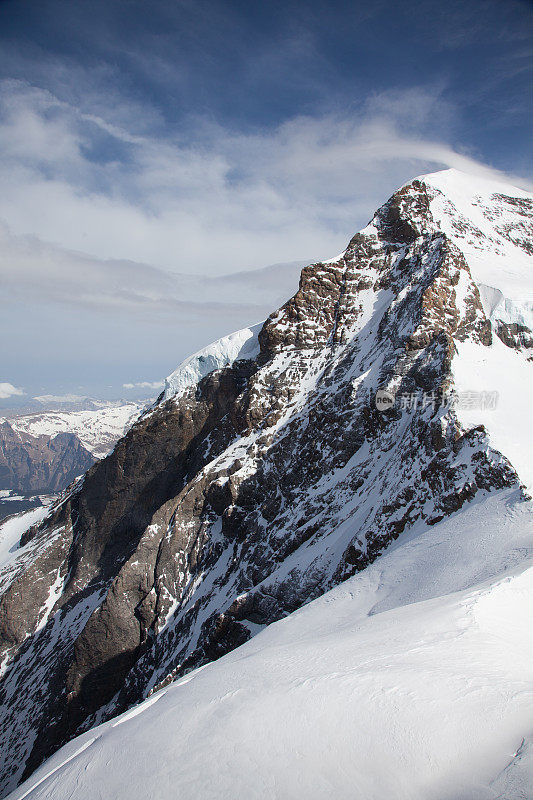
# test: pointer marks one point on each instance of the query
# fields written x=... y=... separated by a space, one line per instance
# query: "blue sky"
x=149 y=149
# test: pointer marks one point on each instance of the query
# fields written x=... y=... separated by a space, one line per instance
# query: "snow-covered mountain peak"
x=454 y=182
x=491 y=222
x=269 y=473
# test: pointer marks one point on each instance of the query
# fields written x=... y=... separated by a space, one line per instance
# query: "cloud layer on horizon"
x=144 y=385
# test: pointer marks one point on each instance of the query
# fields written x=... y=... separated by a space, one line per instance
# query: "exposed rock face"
x=254 y=491
x=40 y=463
x=516 y=335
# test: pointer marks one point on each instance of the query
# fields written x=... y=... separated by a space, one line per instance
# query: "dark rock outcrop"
x=516 y=335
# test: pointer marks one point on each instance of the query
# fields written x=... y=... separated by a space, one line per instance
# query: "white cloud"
x=144 y=385
x=8 y=390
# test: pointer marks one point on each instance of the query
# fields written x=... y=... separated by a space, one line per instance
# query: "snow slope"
x=498 y=368
x=222 y=353
x=412 y=680
x=97 y=430
x=490 y=227
x=485 y=220
x=10 y=532
x=490 y=232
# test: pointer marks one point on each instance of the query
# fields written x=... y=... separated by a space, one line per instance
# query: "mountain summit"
x=385 y=399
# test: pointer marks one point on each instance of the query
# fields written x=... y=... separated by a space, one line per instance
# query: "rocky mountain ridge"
x=43 y=452
x=245 y=493
x=96 y=428
x=40 y=463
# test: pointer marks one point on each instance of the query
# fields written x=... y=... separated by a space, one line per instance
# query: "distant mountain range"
x=43 y=452
x=97 y=427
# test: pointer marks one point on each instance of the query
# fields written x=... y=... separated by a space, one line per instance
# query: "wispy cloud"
x=227 y=202
x=144 y=385
x=8 y=390
x=59 y=398
x=45 y=273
